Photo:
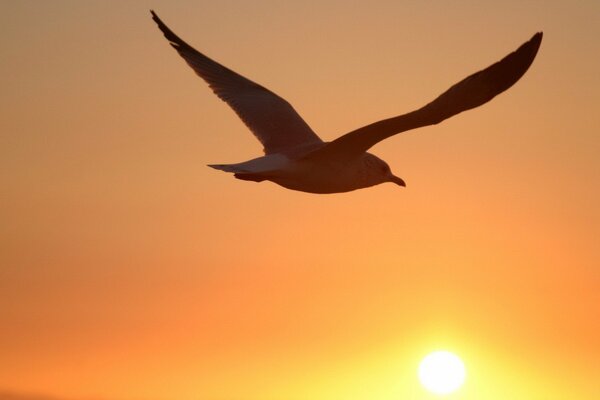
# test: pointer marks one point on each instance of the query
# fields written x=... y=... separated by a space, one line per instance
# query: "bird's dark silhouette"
x=296 y=158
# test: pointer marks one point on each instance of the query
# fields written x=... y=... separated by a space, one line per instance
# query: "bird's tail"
x=239 y=172
x=233 y=168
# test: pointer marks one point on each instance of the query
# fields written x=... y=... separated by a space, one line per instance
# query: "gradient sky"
x=130 y=270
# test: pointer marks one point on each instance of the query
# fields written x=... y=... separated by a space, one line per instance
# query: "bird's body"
x=314 y=175
x=296 y=158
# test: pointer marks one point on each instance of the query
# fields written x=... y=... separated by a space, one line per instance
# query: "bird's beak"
x=397 y=181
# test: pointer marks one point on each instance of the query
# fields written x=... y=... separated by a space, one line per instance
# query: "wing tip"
x=173 y=39
x=536 y=40
x=155 y=17
x=530 y=48
x=513 y=66
x=528 y=51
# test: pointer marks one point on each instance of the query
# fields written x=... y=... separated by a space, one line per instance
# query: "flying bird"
x=296 y=158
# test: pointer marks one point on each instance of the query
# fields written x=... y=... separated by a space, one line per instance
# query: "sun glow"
x=442 y=372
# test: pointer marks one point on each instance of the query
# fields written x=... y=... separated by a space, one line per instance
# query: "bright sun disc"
x=442 y=372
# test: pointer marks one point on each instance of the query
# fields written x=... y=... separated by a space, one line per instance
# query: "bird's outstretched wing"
x=471 y=92
x=272 y=119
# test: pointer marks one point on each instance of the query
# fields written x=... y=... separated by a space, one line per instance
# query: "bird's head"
x=378 y=171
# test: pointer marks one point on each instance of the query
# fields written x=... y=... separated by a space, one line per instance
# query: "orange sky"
x=129 y=270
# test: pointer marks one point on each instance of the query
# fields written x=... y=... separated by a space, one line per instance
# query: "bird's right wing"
x=272 y=119
x=471 y=92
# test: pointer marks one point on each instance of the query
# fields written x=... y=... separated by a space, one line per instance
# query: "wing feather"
x=271 y=118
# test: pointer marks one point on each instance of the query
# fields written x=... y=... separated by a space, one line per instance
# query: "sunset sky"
x=131 y=271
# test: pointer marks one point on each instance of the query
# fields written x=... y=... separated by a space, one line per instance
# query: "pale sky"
x=130 y=270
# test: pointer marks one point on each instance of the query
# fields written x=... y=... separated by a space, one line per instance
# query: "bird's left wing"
x=271 y=118
x=471 y=92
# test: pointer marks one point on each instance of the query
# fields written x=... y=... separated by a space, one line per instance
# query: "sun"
x=442 y=372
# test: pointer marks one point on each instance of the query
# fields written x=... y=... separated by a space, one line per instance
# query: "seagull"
x=296 y=158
